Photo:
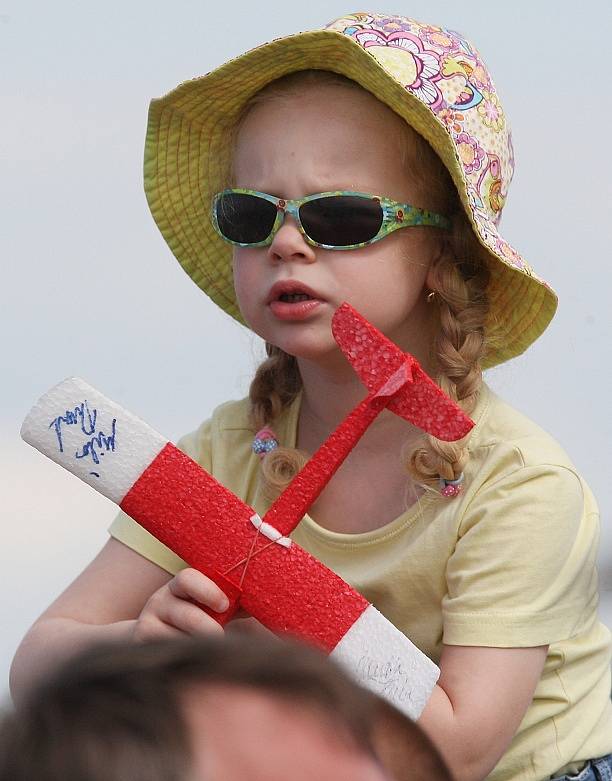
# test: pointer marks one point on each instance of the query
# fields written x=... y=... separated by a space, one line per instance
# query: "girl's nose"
x=290 y=244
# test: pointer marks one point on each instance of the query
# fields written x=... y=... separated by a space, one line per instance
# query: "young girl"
x=369 y=162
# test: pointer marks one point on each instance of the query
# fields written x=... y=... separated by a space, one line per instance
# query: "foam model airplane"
x=252 y=559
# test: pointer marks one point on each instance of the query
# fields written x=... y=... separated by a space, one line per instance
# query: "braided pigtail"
x=459 y=281
x=276 y=383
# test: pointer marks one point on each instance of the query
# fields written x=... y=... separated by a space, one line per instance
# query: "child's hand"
x=176 y=608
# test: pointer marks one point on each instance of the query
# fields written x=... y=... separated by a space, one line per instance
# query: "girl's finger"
x=192 y=584
x=187 y=617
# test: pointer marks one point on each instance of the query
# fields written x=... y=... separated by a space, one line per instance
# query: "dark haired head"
x=116 y=712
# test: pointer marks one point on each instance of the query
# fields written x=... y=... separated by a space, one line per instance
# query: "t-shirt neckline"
x=424 y=503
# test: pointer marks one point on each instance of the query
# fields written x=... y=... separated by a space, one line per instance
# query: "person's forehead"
x=304 y=137
x=239 y=733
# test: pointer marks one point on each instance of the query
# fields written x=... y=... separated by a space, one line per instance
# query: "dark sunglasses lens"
x=244 y=218
x=341 y=220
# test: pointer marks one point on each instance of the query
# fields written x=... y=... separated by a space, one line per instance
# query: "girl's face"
x=328 y=138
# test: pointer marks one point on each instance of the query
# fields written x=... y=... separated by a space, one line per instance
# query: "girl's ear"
x=430 y=279
x=439 y=258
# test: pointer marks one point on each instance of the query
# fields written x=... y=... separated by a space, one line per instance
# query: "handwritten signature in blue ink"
x=98 y=445
x=99 y=442
x=80 y=416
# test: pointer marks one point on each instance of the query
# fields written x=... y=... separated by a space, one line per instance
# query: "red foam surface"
x=205 y=524
x=376 y=358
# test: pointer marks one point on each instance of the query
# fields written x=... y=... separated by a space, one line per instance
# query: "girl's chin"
x=315 y=349
x=330 y=361
x=311 y=340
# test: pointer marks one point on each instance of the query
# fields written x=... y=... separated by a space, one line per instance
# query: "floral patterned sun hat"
x=431 y=76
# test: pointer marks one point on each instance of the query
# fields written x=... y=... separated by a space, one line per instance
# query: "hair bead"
x=264 y=441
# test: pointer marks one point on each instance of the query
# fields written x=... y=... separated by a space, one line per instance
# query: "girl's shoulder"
x=228 y=425
x=512 y=457
x=231 y=422
x=222 y=445
x=504 y=431
x=503 y=439
x=232 y=415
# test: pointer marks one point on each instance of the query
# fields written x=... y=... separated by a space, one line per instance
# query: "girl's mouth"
x=290 y=301
x=292 y=298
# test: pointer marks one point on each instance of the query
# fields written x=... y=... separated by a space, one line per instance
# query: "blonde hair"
x=460 y=275
x=460 y=282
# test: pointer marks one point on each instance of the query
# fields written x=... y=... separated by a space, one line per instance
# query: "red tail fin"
x=378 y=363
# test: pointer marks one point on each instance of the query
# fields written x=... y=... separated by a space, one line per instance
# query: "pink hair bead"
x=451 y=488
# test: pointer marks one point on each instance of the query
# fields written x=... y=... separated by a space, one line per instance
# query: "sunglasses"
x=334 y=220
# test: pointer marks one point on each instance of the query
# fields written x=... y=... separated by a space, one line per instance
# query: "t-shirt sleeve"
x=197 y=446
x=523 y=569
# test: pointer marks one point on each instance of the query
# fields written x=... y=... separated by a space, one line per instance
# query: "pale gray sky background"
x=89 y=288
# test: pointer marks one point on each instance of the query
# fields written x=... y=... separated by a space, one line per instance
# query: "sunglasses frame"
x=395 y=216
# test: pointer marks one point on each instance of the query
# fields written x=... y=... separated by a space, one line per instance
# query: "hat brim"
x=188 y=159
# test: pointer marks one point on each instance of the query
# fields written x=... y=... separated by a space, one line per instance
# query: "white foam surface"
x=384 y=660
x=91 y=436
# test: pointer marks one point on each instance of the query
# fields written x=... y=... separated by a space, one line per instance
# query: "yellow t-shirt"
x=508 y=563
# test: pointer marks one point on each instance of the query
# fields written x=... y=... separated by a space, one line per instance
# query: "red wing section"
x=374 y=357
x=425 y=405
x=377 y=360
